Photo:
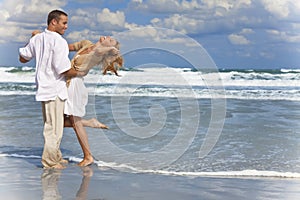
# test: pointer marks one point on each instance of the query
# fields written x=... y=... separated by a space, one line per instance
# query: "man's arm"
x=21 y=59
x=71 y=47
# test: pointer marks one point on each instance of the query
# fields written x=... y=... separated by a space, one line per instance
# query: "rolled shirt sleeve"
x=27 y=52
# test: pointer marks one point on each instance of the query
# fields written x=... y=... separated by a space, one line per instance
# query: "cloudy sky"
x=261 y=34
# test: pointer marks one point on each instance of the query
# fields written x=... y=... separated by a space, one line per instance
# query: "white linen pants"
x=53 y=115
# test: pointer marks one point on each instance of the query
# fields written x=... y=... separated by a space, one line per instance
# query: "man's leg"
x=53 y=131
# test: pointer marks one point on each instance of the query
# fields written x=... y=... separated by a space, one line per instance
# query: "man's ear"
x=53 y=22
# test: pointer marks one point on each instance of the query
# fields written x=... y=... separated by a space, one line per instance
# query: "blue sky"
x=248 y=34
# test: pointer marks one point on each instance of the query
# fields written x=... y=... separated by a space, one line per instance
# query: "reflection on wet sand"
x=50 y=180
x=86 y=177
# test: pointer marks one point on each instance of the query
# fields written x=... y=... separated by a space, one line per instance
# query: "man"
x=50 y=51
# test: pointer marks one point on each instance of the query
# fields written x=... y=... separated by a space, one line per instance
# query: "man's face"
x=61 y=25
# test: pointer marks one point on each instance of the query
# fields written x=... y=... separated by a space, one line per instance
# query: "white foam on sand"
x=251 y=173
x=14 y=155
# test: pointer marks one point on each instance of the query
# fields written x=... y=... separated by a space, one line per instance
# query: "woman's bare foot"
x=94 y=123
x=86 y=162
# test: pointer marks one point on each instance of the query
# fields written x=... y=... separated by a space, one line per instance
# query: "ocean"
x=171 y=122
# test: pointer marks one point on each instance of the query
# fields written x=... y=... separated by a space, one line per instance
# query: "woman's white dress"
x=77 y=92
x=78 y=98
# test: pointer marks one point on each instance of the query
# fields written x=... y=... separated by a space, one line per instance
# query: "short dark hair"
x=55 y=14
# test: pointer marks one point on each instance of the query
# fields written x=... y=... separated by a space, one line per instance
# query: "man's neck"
x=51 y=28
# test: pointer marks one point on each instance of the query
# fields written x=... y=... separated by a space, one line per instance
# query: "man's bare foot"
x=86 y=162
x=63 y=161
x=58 y=166
x=94 y=123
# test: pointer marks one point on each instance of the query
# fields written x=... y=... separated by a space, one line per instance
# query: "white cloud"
x=282 y=9
x=19 y=16
x=181 y=23
x=273 y=32
x=165 y=6
x=284 y=36
x=227 y=4
x=220 y=16
x=31 y=11
x=150 y=34
x=137 y=1
x=115 y=19
x=185 y=6
x=90 y=23
x=143 y=32
x=83 y=18
x=12 y=33
x=206 y=16
x=238 y=39
x=86 y=34
x=99 y=19
x=247 y=31
x=278 y=8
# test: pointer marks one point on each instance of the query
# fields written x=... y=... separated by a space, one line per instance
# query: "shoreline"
x=24 y=179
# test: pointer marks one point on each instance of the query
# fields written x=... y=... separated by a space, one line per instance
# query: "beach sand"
x=25 y=179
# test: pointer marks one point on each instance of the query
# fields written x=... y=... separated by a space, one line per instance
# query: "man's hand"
x=23 y=60
x=74 y=73
x=83 y=73
x=35 y=32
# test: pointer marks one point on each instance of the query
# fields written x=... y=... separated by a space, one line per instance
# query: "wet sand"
x=25 y=179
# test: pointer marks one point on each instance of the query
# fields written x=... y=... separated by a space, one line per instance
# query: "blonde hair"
x=114 y=65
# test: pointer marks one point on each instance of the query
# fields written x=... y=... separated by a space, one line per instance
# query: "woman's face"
x=108 y=41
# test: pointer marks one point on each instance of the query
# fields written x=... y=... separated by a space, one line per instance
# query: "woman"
x=105 y=53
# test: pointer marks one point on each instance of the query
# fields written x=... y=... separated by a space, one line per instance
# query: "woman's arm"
x=78 y=45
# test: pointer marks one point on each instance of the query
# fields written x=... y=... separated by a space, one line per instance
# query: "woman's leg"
x=82 y=139
x=93 y=123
